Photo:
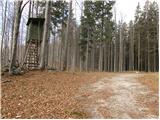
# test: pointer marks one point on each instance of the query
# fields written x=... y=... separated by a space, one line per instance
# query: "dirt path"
x=117 y=97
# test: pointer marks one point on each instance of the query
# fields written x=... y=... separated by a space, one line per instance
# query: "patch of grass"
x=80 y=114
x=67 y=112
x=77 y=114
x=151 y=80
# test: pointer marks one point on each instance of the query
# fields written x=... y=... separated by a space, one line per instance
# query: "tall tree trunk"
x=21 y=45
x=67 y=38
x=53 y=50
x=29 y=15
x=131 y=50
x=69 y=54
x=59 y=51
x=124 y=56
x=112 y=60
x=148 y=43
x=37 y=6
x=62 y=44
x=6 y=45
x=139 y=51
x=4 y=26
x=115 y=55
x=87 y=50
x=100 y=57
x=157 y=46
x=115 y=42
x=32 y=9
x=108 y=56
x=15 y=35
x=101 y=43
x=105 y=57
x=154 y=56
x=11 y=40
x=29 y=12
x=45 y=35
x=47 y=49
x=74 y=49
x=120 y=51
x=80 y=63
x=93 y=57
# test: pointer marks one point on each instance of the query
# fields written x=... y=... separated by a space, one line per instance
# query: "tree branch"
x=24 y=6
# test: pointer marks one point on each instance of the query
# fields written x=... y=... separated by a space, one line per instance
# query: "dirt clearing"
x=80 y=95
x=123 y=101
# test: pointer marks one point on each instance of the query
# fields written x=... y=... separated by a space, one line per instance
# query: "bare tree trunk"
x=29 y=15
x=58 y=51
x=80 y=64
x=60 y=61
x=108 y=56
x=112 y=61
x=53 y=50
x=105 y=57
x=67 y=37
x=87 y=50
x=154 y=56
x=15 y=36
x=131 y=49
x=100 y=57
x=120 y=51
x=32 y=9
x=148 y=51
x=6 y=47
x=37 y=5
x=139 y=51
x=68 y=52
x=124 y=56
x=29 y=12
x=115 y=55
x=62 y=45
x=4 y=26
x=47 y=50
x=157 y=46
x=48 y=38
x=11 y=40
x=22 y=47
x=45 y=35
x=74 y=49
x=115 y=43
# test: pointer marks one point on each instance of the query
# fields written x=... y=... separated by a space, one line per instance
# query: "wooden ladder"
x=31 y=58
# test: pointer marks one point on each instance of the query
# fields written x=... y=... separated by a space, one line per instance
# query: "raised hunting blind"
x=34 y=38
x=35 y=29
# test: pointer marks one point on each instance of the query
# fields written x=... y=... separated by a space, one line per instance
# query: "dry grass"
x=151 y=80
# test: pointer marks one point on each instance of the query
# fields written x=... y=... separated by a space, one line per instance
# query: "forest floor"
x=51 y=94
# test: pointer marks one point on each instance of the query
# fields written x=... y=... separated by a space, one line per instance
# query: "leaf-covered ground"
x=50 y=94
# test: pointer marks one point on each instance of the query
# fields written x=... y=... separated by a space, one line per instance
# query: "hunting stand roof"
x=35 y=20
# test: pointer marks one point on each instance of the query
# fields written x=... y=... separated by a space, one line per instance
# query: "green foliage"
x=59 y=12
x=96 y=24
x=146 y=25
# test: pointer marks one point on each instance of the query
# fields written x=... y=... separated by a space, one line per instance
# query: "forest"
x=59 y=49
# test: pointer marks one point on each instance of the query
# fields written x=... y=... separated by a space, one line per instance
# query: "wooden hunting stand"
x=33 y=42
